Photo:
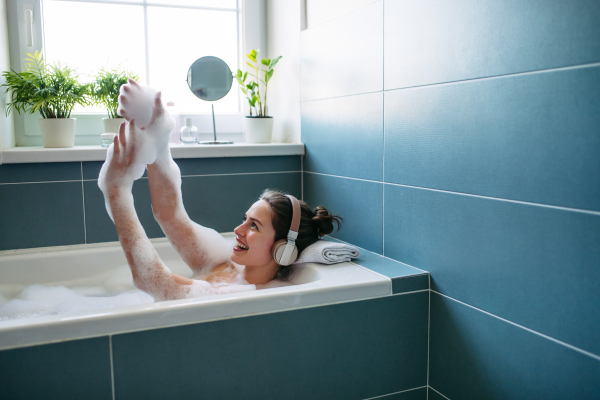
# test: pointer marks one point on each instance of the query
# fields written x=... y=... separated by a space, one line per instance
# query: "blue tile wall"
x=529 y=264
x=41 y=214
x=413 y=394
x=220 y=202
x=435 y=41
x=40 y=172
x=344 y=136
x=363 y=213
x=52 y=213
x=473 y=355
x=354 y=350
x=491 y=174
x=238 y=165
x=77 y=369
x=99 y=226
x=343 y=56
x=531 y=137
x=432 y=394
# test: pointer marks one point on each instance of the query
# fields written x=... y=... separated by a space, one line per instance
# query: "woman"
x=145 y=141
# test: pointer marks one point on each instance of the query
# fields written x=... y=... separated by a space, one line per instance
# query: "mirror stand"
x=215 y=131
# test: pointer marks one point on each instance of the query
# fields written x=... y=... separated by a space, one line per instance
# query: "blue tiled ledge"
x=404 y=277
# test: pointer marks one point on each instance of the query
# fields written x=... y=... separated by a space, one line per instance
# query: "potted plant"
x=51 y=90
x=258 y=126
x=105 y=92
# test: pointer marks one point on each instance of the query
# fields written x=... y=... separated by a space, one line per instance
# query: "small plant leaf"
x=274 y=61
x=253 y=52
x=265 y=61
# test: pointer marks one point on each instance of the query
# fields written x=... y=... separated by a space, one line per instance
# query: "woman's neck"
x=260 y=275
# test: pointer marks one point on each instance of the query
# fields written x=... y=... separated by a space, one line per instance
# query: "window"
x=158 y=40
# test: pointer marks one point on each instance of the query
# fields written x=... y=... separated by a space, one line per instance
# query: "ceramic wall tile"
x=435 y=41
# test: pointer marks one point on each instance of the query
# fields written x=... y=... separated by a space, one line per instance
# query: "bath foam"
x=100 y=292
x=146 y=140
x=38 y=300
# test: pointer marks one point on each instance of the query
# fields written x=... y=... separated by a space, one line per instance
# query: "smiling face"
x=254 y=238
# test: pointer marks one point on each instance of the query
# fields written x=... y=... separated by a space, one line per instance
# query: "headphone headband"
x=284 y=251
x=296 y=213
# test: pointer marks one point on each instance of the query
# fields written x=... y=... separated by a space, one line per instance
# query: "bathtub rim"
x=74 y=326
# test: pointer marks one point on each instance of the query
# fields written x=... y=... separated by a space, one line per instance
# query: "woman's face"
x=252 y=248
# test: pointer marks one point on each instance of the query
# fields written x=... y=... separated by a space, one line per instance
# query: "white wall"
x=7 y=135
x=283 y=39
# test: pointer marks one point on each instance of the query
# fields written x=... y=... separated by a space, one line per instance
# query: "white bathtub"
x=312 y=285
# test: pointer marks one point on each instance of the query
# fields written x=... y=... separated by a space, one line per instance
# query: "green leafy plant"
x=252 y=88
x=53 y=90
x=105 y=89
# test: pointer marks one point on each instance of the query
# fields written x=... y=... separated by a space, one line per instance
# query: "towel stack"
x=326 y=252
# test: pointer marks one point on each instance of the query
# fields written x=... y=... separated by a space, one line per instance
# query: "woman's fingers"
x=134 y=83
x=133 y=137
x=116 y=148
x=122 y=138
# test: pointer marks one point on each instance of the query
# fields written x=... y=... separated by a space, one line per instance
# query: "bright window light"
x=89 y=35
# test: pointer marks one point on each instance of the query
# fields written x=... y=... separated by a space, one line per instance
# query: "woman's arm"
x=199 y=247
x=116 y=180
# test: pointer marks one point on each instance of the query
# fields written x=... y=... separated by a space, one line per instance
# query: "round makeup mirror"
x=210 y=79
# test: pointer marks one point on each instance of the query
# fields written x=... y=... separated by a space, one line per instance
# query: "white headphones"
x=284 y=251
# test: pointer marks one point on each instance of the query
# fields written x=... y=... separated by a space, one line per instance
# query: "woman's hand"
x=144 y=104
x=122 y=165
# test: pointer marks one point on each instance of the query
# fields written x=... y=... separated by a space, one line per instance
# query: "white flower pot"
x=112 y=125
x=58 y=132
x=258 y=129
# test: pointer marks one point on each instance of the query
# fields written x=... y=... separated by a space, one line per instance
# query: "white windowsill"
x=97 y=153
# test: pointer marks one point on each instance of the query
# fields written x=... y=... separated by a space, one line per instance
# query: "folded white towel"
x=326 y=252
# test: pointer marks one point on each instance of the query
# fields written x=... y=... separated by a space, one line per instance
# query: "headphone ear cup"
x=277 y=252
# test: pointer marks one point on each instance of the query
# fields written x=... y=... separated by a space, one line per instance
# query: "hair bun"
x=323 y=220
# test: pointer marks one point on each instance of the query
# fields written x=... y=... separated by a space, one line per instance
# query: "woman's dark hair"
x=313 y=224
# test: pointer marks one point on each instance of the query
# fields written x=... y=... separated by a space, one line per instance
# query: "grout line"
x=414 y=291
x=428 y=333
x=402 y=391
x=383 y=222
x=26 y=183
x=437 y=393
x=112 y=367
x=341 y=176
x=540 y=71
x=241 y=173
x=340 y=96
x=585 y=352
x=83 y=198
x=302 y=177
x=485 y=78
x=527 y=203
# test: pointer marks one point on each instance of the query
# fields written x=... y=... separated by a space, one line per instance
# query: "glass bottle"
x=189 y=133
